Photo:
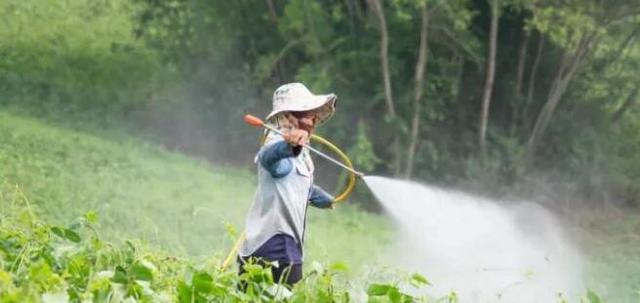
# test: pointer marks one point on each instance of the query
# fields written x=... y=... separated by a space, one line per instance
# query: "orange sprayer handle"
x=253 y=121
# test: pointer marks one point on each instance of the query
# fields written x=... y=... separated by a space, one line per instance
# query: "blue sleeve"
x=275 y=158
x=320 y=198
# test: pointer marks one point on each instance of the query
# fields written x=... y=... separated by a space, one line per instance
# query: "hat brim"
x=325 y=104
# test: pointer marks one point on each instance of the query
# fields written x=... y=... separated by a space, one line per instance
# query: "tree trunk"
x=631 y=99
x=459 y=80
x=522 y=58
x=419 y=89
x=532 y=82
x=376 y=7
x=272 y=11
x=567 y=70
x=490 y=74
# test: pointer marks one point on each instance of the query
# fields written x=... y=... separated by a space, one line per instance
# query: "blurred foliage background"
x=497 y=96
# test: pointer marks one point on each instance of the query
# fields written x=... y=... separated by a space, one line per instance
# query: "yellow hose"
x=351 y=182
x=349 y=187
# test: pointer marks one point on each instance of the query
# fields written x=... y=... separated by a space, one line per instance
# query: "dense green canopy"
x=499 y=94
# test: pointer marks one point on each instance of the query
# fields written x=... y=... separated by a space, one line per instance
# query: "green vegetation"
x=90 y=191
x=610 y=241
x=48 y=263
x=141 y=191
x=159 y=219
x=75 y=54
x=562 y=101
x=558 y=81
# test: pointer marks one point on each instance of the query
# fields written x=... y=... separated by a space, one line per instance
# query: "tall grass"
x=142 y=191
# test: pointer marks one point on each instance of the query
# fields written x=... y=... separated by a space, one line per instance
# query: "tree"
x=532 y=80
x=377 y=9
x=421 y=64
x=490 y=74
x=569 y=64
x=631 y=99
x=576 y=27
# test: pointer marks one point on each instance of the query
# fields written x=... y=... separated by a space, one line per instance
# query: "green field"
x=611 y=242
x=184 y=205
x=178 y=206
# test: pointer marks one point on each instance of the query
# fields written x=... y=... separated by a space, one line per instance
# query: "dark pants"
x=286 y=273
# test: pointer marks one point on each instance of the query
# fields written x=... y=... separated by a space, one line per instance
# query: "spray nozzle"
x=253 y=120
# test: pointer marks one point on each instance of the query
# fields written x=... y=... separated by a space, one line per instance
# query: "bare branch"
x=569 y=66
x=631 y=99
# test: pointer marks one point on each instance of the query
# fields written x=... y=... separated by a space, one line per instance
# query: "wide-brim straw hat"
x=295 y=97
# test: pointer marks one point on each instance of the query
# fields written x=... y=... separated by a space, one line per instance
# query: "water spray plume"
x=485 y=250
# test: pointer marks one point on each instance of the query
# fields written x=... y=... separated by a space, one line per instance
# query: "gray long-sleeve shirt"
x=285 y=187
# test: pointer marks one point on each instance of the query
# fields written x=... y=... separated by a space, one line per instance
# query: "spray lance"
x=255 y=121
x=345 y=164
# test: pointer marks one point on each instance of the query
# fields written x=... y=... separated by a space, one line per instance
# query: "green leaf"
x=593 y=297
x=91 y=217
x=141 y=272
x=72 y=236
x=134 y=290
x=202 y=282
x=418 y=280
x=120 y=276
x=219 y=290
x=58 y=231
x=453 y=297
x=379 y=289
x=394 y=295
x=66 y=233
x=339 y=267
x=184 y=292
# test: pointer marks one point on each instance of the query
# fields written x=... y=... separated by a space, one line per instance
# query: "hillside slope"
x=184 y=205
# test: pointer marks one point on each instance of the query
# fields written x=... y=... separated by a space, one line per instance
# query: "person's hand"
x=296 y=137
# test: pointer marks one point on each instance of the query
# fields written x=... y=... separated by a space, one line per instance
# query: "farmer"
x=276 y=221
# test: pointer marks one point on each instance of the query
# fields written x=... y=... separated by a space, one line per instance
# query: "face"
x=305 y=120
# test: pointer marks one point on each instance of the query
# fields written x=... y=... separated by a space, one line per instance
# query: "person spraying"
x=276 y=221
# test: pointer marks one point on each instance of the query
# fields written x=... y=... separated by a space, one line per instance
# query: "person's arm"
x=320 y=198
x=275 y=158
